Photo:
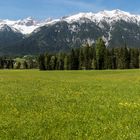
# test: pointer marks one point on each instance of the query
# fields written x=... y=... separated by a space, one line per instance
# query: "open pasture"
x=69 y=105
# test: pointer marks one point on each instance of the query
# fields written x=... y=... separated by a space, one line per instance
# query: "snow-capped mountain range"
x=28 y=25
x=108 y=16
x=30 y=36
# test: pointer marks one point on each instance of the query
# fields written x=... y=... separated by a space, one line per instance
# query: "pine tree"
x=60 y=62
x=47 y=61
x=74 y=57
x=100 y=53
x=93 y=64
x=41 y=61
x=81 y=59
x=108 y=59
x=88 y=56
x=67 y=63
x=126 y=58
x=53 y=63
x=113 y=59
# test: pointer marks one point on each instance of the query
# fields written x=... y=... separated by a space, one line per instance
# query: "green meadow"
x=69 y=105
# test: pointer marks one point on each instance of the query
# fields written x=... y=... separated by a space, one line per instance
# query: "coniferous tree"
x=134 y=58
x=53 y=62
x=139 y=60
x=88 y=56
x=60 y=62
x=108 y=59
x=41 y=61
x=74 y=57
x=93 y=64
x=1 y=63
x=47 y=61
x=81 y=59
x=113 y=59
x=100 y=53
x=126 y=58
x=67 y=62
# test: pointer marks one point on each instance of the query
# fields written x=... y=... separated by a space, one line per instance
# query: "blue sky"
x=42 y=9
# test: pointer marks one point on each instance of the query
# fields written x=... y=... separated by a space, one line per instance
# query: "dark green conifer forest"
x=94 y=57
x=97 y=57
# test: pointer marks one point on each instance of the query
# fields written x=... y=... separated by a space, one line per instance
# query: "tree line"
x=94 y=57
x=26 y=62
x=88 y=57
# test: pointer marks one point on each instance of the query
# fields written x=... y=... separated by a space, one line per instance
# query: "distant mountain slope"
x=8 y=37
x=116 y=27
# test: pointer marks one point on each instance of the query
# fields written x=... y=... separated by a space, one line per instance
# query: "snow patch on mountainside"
x=5 y=27
x=25 y=26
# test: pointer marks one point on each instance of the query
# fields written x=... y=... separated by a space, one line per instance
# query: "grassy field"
x=70 y=105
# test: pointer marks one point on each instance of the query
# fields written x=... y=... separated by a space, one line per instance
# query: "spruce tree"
x=41 y=61
x=52 y=63
x=100 y=53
